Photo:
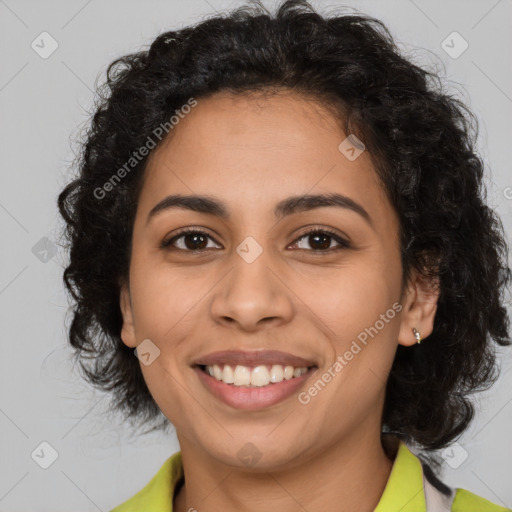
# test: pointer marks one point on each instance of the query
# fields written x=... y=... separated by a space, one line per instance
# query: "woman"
x=283 y=220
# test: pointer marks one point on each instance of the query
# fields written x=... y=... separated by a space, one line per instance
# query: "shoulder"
x=466 y=501
x=410 y=472
x=157 y=495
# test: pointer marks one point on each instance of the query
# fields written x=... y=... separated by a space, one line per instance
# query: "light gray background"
x=42 y=103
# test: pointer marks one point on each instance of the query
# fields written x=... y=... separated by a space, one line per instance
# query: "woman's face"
x=253 y=281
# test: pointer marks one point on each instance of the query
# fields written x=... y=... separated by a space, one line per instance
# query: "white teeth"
x=217 y=372
x=276 y=373
x=260 y=376
x=254 y=376
x=242 y=376
x=288 y=372
x=227 y=375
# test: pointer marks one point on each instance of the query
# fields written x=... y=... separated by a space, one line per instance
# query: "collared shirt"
x=407 y=490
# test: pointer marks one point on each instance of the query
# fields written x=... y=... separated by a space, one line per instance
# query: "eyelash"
x=344 y=244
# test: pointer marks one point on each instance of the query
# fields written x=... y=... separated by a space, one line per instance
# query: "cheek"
x=167 y=389
x=359 y=311
x=363 y=326
x=166 y=303
x=161 y=296
x=352 y=298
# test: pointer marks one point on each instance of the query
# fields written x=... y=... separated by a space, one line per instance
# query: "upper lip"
x=253 y=358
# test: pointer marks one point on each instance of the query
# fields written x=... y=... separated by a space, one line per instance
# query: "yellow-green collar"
x=404 y=489
x=158 y=494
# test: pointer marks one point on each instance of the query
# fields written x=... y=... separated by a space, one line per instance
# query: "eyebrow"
x=288 y=206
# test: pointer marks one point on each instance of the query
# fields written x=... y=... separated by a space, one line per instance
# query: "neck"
x=349 y=476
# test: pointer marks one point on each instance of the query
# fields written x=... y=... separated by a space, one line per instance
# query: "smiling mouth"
x=254 y=376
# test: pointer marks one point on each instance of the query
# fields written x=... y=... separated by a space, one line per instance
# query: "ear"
x=128 y=330
x=419 y=308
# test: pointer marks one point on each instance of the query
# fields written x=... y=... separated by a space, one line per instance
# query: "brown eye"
x=320 y=240
x=193 y=240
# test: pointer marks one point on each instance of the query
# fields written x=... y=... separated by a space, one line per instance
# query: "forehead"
x=253 y=150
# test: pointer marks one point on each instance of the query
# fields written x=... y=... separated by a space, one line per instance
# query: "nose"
x=252 y=295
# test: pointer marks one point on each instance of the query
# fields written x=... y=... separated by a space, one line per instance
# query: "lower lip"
x=252 y=398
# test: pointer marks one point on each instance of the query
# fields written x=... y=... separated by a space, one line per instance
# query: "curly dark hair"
x=421 y=140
